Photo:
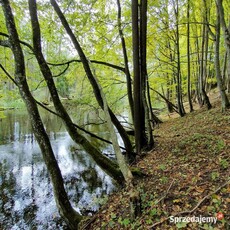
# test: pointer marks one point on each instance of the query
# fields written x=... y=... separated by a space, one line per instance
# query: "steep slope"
x=187 y=174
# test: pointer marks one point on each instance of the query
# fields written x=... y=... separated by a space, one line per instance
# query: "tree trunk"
x=171 y=60
x=203 y=64
x=137 y=79
x=71 y=217
x=178 y=73
x=120 y=158
x=169 y=103
x=126 y=62
x=197 y=72
x=149 y=142
x=188 y=56
x=226 y=30
x=204 y=73
x=224 y=99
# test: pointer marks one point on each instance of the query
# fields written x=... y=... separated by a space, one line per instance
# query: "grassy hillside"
x=187 y=174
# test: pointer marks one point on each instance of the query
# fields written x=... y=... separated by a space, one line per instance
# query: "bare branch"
x=5 y=43
x=22 y=42
x=92 y=61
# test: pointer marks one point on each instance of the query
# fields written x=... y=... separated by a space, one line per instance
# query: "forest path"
x=191 y=160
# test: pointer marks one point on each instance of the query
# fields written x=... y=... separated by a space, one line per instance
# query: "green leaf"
x=113 y=216
x=126 y=222
x=111 y=223
x=181 y=224
x=153 y=212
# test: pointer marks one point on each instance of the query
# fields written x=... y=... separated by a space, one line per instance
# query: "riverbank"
x=187 y=175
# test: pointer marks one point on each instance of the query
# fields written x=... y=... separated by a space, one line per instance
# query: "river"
x=27 y=200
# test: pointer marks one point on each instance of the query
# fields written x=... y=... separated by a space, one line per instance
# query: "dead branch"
x=166 y=193
x=191 y=211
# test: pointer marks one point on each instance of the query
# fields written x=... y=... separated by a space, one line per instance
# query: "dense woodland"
x=111 y=57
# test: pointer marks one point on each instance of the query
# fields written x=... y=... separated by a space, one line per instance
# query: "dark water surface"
x=25 y=188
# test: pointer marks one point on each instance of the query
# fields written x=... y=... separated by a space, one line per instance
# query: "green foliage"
x=95 y=25
x=181 y=225
x=63 y=86
x=164 y=179
x=162 y=167
x=208 y=227
x=215 y=176
x=153 y=212
x=224 y=164
x=124 y=222
x=2 y=115
x=201 y=143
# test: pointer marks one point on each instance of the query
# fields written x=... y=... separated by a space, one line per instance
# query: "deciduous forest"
x=147 y=81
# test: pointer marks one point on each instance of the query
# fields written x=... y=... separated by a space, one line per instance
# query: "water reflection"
x=26 y=192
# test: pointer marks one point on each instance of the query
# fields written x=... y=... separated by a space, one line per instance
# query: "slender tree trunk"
x=143 y=39
x=171 y=60
x=178 y=74
x=224 y=99
x=203 y=65
x=169 y=94
x=170 y=81
x=205 y=69
x=204 y=74
x=226 y=30
x=197 y=71
x=126 y=62
x=188 y=56
x=137 y=79
x=120 y=158
x=155 y=120
x=71 y=217
x=224 y=69
x=201 y=76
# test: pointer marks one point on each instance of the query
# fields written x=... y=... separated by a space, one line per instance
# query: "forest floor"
x=187 y=175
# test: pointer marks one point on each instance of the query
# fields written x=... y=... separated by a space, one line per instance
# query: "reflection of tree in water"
x=29 y=212
x=7 y=192
x=26 y=197
x=84 y=186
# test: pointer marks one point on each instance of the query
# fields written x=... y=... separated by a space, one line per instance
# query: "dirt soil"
x=187 y=175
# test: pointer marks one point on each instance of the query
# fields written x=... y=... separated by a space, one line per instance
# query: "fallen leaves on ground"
x=190 y=161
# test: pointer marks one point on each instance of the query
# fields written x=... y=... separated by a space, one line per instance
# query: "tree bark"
x=178 y=74
x=71 y=217
x=224 y=99
x=139 y=73
x=188 y=56
x=120 y=158
x=149 y=142
x=126 y=62
x=203 y=61
x=136 y=76
x=226 y=30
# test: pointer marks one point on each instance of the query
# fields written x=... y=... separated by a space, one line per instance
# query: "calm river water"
x=25 y=189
